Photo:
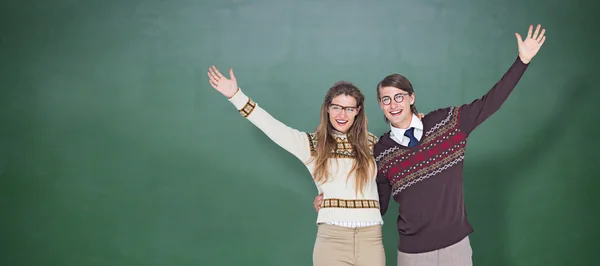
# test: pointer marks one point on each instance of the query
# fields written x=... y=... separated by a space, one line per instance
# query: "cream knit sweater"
x=341 y=204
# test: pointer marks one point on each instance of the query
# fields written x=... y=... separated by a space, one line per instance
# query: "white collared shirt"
x=397 y=134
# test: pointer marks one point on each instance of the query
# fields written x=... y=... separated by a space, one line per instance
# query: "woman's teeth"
x=341 y=121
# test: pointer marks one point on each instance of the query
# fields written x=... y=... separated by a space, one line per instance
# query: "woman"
x=339 y=157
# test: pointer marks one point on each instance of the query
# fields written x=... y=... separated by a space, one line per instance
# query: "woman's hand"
x=225 y=86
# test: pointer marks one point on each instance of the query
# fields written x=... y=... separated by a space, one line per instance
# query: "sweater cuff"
x=242 y=103
x=521 y=61
x=239 y=99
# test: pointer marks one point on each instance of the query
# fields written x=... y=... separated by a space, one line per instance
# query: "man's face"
x=395 y=104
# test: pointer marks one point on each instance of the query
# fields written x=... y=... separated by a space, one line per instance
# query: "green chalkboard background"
x=114 y=150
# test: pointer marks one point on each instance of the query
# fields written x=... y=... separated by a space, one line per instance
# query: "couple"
x=418 y=163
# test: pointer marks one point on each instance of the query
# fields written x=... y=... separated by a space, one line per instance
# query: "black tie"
x=410 y=134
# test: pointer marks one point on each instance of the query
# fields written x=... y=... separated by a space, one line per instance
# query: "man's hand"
x=318 y=201
x=529 y=47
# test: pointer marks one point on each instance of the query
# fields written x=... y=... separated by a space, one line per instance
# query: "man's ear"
x=412 y=99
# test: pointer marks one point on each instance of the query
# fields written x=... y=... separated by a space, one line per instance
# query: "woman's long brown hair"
x=357 y=136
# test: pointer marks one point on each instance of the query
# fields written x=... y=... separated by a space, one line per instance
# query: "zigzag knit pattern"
x=442 y=146
x=343 y=148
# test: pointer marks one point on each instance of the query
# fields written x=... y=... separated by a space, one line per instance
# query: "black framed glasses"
x=386 y=100
x=336 y=109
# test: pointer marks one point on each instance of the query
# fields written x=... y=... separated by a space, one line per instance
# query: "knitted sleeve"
x=294 y=141
x=384 y=189
x=476 y=112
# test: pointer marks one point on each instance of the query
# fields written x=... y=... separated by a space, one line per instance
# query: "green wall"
x=114 y=150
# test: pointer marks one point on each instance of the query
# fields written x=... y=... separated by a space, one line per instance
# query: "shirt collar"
x=337 y=134
x=415 y=122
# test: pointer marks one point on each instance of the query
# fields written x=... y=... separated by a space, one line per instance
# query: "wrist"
x=524 y=60
x=233 y=93
x=239 y=99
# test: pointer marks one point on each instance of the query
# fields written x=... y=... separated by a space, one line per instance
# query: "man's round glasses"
x=397 y=98
x=336 y=109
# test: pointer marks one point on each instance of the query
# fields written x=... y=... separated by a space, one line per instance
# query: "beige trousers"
x=337 y=246
x=458 y=254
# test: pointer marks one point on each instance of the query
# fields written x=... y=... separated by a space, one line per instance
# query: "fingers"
x=214 y=82
x=318 y=201
x=316 y=204
x=537 y=31
x=217 y=72
x=529 y=32
x=318 y=198
x=541 y=36
x=213 y=74
x=543 y=40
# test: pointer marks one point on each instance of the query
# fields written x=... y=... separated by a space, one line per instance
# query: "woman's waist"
x=347 y=191
x=329 y=214
x=350 y=202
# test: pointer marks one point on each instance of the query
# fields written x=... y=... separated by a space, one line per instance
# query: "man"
x=420 y=163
